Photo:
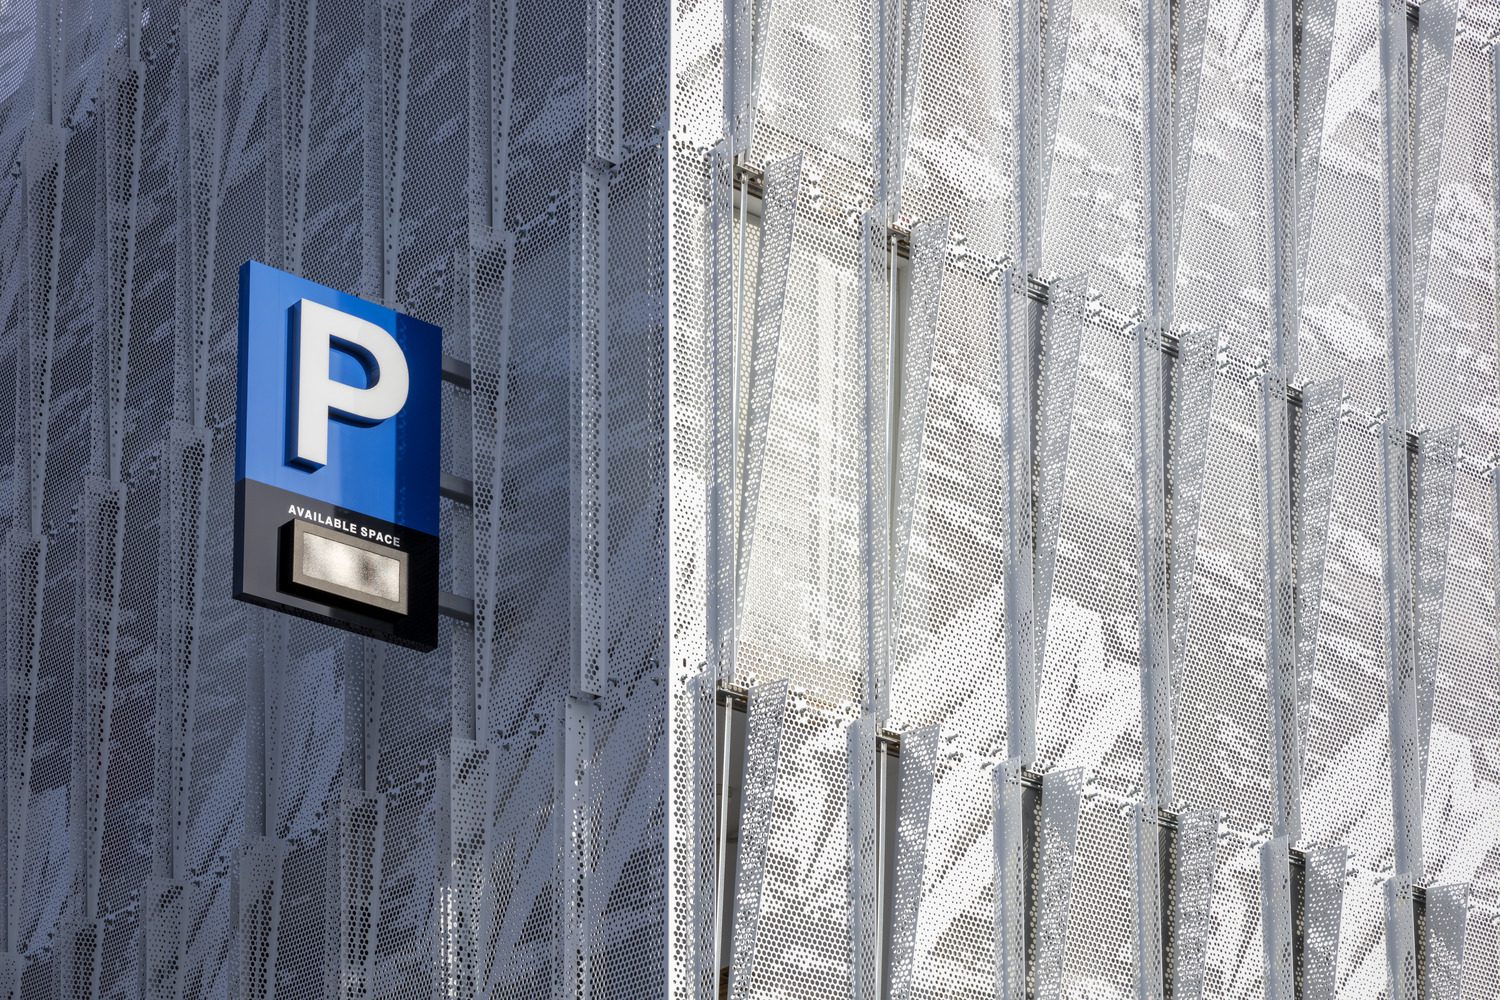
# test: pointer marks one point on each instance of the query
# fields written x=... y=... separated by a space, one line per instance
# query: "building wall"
x=203 y=799
x=1166 y=541
x=1094 y=402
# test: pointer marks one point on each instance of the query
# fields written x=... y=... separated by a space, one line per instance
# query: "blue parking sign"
x=337 y=447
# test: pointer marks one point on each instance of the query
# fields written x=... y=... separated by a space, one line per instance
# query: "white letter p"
x=317 y=395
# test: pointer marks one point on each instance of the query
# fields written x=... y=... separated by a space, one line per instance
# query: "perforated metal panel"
x=202 y=800
x=865 y=353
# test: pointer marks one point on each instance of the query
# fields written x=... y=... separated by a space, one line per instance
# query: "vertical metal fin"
x=1280 y=595
x=469 y=795
x=80 y=957
x=864 y=887
x=490 y=275
x=591 y=466
x=760 y=31
x=1057 y=29
x=1322 y=918
x=1494 y=527
x=929 y=254
x=694 y=828
x=387 y=81
x=102 y=514
x=1062 y=800
x=1189 y=26
x=1400 y=652
x=46 y=168
x=1494 y=160
x=1447 y=914
x=914 y=13
x=198 y=205
x=1315 y=31
x=783 y=182
x=265 y=658
x=886 y=113
x=356 y=855
x=1011 y=924
x=290 y=50
x=1276 y=920
x=189 y=458
x=1145 y=904
x=606 y=79
x=1159 y=142
x=719 y=582
x=1192 y=420
x=262 y=861
x=187 y=465
x=766 y=719
x=1317 y=455
x=1062 y=329
x=164 y=918
x=1396 y=210
x=1400 y=938
x=1432 y=519
x=739 y=30
x=27 y=584
x=919 y=755
x=1154 y=648
x=874 y=507
x=122 y=98
x=103 y=530
x=492 y=60
x=1433 y=63
x=1026 y=128
x=1195 y=844
x=578 y=849
x=1022 y=676
x=1281 y=181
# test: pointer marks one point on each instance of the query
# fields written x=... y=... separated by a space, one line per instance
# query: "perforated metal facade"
x=942 y=499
